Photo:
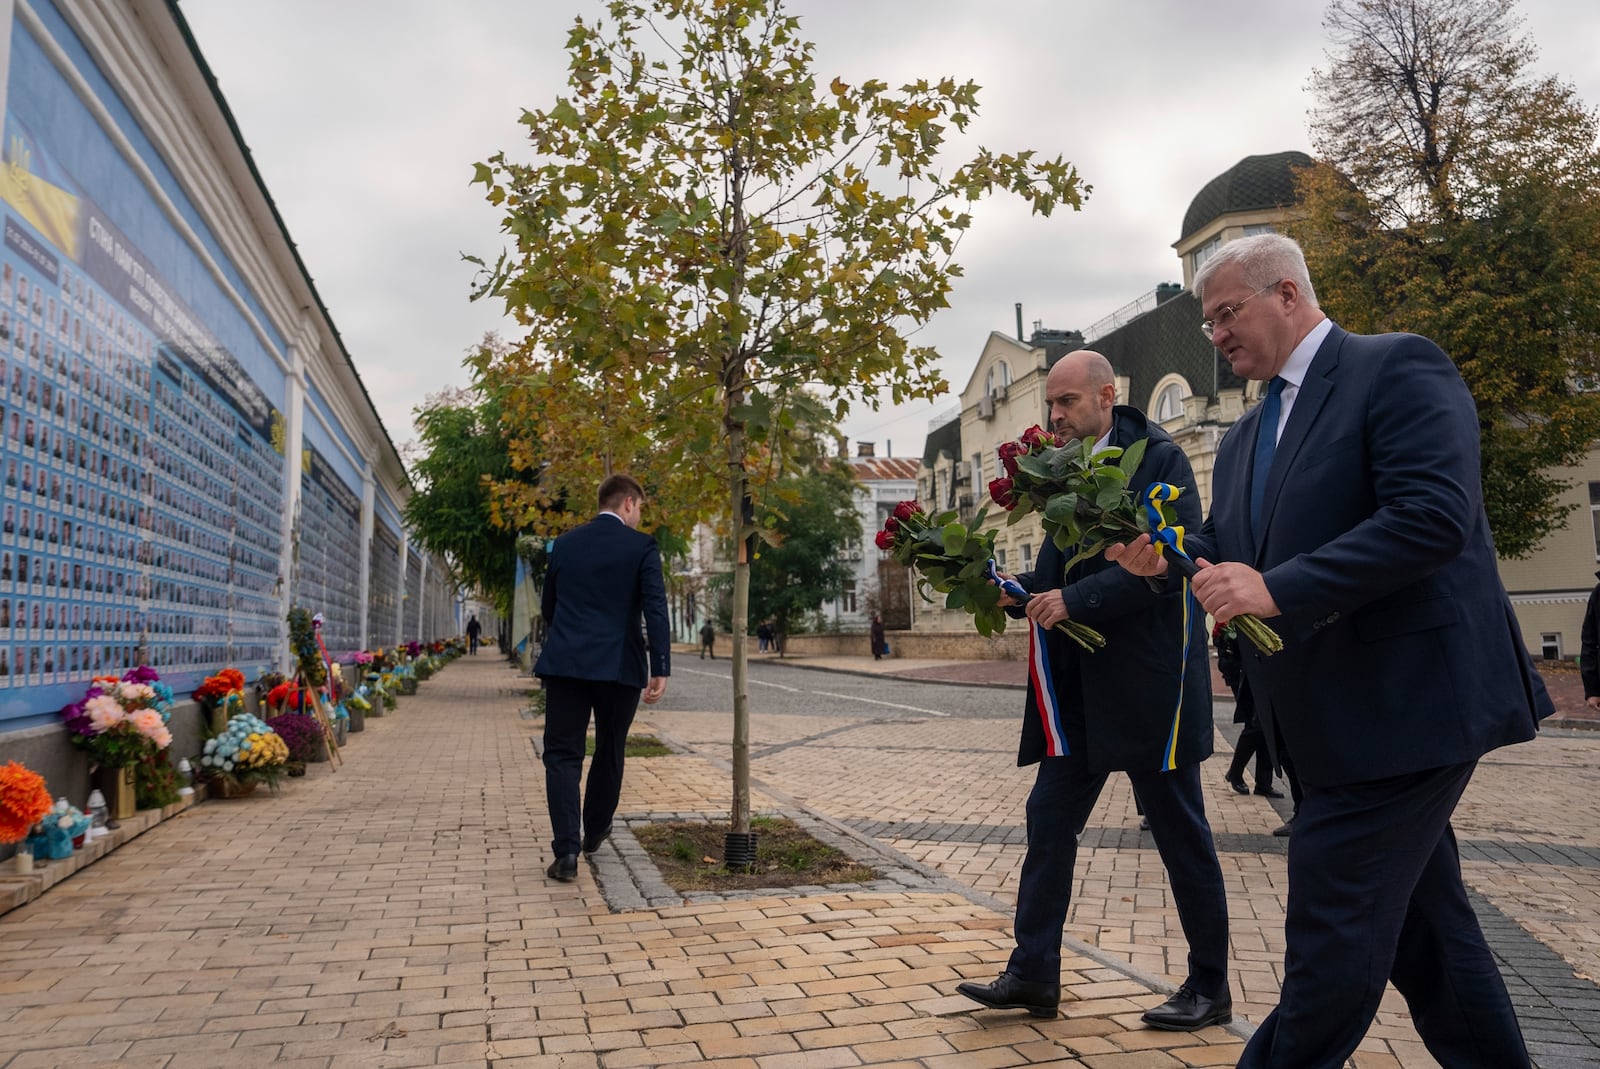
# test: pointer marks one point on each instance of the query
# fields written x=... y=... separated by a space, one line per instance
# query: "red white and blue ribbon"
x=1041 y=680
x=1171 y=537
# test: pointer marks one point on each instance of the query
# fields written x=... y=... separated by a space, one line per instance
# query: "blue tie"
x=1266 y=445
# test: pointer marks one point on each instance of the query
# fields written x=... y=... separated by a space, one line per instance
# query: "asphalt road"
x=706 y=686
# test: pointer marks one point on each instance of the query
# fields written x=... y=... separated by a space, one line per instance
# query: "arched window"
x=1169 y=395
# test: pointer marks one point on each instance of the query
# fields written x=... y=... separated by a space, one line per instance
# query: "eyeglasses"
x=1230 y=312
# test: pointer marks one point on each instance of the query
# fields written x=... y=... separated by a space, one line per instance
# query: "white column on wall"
x=7 y=13
x=405 y=592
x=294 y=395
x=422 y=600
x=368 y=505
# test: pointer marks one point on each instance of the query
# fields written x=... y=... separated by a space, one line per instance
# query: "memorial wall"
x=185 y=446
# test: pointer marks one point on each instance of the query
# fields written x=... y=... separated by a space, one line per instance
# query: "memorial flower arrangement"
x=245 y=753
x=307 y=650
x=120 y=721
x=301 y=734
x=224 y=691
x=1084 y=501
x=956 y=561
x=24 y=801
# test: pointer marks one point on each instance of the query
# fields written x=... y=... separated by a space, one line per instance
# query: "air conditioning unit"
x=1000 y=392
x=855 y=554
x=986 y=407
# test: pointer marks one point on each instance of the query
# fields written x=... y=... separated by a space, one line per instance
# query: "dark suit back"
x=603 y=578
x=1401 y=651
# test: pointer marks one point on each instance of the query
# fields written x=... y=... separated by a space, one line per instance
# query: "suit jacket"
x=1127 y=695
x=1401 y=652
x=602 y=579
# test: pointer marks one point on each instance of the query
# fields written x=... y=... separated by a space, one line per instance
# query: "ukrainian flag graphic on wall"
x=52 y=210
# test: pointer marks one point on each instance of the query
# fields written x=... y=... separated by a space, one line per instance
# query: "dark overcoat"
x=1142 y=699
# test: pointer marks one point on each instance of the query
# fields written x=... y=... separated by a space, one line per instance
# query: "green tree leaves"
x=1463 y=203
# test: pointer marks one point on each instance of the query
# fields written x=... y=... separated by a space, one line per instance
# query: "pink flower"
x=148 y=723
x=104 y=712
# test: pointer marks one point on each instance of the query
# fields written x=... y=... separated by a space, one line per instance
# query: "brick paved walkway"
x=395 y=913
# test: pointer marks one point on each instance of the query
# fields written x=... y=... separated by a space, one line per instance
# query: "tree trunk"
x=739 y=818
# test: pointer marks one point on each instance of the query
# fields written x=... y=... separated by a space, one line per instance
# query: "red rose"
x=906 y=509
x=891 y=524
x=1009 y=452
x=1000 y=490
x=1036 y=437
x=886 y=539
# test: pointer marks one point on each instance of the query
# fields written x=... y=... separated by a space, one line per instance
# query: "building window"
x=1000 y=557
x=1206 y=251
x=1550 y=645
x=1259 y=228
x=978 y=485
x=847 y=598
x=1169 y=403
x=1027 y=557
x=1594 y=516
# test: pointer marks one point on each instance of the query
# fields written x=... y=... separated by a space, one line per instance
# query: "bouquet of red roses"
x=956 y=561
x=1085 y=504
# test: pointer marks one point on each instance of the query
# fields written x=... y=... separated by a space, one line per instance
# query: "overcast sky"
x=365 y=119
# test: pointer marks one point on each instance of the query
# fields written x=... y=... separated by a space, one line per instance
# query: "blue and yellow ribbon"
x=1170 y=537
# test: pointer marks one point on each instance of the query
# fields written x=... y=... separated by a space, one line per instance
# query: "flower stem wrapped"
x=1084 y=501
x=957 y=561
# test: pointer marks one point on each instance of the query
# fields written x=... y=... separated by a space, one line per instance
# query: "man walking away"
x=603 y=578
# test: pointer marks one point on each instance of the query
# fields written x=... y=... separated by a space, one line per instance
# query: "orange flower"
x=24 y=801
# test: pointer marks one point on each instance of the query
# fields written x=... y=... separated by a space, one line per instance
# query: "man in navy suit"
x=1140 y=705
x=1348 y=510
x=602 y=579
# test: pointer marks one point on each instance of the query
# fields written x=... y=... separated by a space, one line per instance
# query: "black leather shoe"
x=1187 y=1011
x=591 y=843
x=1011 y=993
x=563 y=868
x=1269 y=791
x=1237 y=785
x=1284 y=830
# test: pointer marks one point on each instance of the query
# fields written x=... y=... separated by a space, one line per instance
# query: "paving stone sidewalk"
x=394 y=912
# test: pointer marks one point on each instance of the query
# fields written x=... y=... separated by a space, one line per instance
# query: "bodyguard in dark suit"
x=602 y=579
x=1141 y=705
x=1348 y=510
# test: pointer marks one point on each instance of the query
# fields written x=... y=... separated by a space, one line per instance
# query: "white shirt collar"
x=608 y=512
x=1299 y=362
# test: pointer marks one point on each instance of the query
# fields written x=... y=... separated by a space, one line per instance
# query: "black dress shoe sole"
x=1046 y=1012
x=1238 y=787
x=1186 y=1026
x=555 y=872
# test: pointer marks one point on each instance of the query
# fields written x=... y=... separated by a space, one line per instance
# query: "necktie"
x=1266 y=445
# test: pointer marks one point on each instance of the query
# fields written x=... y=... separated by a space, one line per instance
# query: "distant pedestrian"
x=474 y=629
x=764 y=635
x=708 y=636
x=1589 y=649
x=880 y=645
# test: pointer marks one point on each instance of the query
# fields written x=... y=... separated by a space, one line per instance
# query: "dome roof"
x=1253 y=183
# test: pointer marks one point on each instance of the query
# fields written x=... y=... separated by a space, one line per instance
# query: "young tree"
x=707 y=223
x=1459 y=198
x=451 y=510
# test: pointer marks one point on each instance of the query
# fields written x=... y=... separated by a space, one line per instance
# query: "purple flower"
x=142 y=674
